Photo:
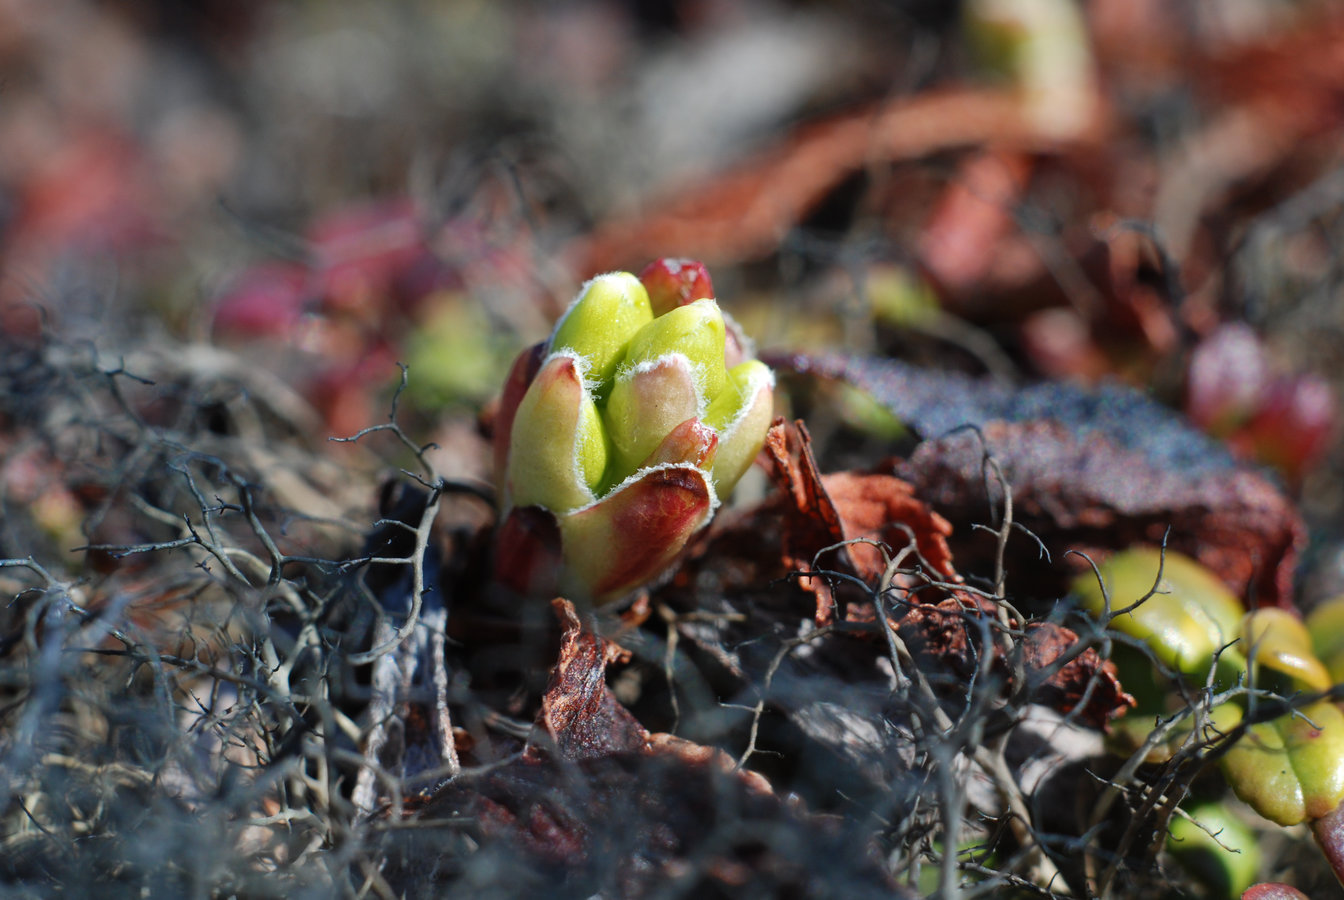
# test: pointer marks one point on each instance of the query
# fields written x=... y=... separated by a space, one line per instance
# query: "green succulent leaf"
x=696 y=331
x=669 y=502
x=646 y=402
x=557 y=448
x=609 y=310
x=1189 y=617
x=741 y=414
x=1289 y=769
x=1215 y=846
x=1325 y=624
x=1279 y=646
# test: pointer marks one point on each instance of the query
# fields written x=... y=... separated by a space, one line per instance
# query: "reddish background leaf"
x=1088 y=494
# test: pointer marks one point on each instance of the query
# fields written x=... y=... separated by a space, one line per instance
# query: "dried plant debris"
x=597 y=804
x=161 y=729
x=869 y=509
x=745 y=212
x=933 y=403
x=626 y=825
x=1091 y=470
x=1085 y=493
x=856 y=525
x=579 y=712
x=812 y=702
x=1058 y=669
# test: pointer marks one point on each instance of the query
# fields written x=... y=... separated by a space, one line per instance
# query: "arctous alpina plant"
x=618 y=436
x=1290 y=767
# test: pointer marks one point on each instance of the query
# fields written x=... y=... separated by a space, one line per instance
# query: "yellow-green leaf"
x=1190 y=616
x=599 y=323
x=741 y=414
x=557 y=449
x=1289 y=769
x=1326 y=626
x=696 y=331
x=646 y=403
x=1277 y=642
x=1216 y=847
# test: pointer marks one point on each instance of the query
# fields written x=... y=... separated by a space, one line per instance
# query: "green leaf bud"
x=741 y=414
x=609 y=310
x=557 y=448
x=608 y=462
x=646 y=402
x=696 y=331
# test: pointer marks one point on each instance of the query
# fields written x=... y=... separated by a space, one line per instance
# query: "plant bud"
x=695 y=331
x=675 y=282
x=615 y=441
x=557 y=450
x=647 y=402
x=600 y=322
x=741 y=414
x=635 y=532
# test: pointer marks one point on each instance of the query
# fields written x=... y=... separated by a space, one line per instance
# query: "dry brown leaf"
x=628 y=824
x=586 y=721
x=821 y=511
x=579 y=712
x=972 y=218
x=951 y=633
x=1086 y=685
x=617 y=810
x=879 y=507
x=1086 y=493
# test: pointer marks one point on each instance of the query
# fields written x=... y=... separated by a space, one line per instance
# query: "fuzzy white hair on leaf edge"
x=765 y=379
x=583 y=292
x=582 y=366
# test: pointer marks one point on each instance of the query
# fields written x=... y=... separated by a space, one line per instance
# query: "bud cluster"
x=617 y=436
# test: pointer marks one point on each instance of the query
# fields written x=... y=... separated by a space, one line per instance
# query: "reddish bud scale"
x=519 y=379
x=690 y=442
x=675 y=282
x=669 y=501
x=527 y=555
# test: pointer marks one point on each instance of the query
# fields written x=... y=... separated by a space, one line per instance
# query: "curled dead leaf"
x=821 y=511
x=579 y=712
